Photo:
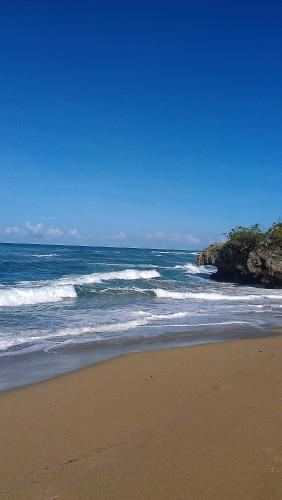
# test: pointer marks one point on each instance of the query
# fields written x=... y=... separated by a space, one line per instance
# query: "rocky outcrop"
x=265 y=263
x=209 y=255
x=235 y=263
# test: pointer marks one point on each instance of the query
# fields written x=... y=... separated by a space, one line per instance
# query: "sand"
x=202 y=422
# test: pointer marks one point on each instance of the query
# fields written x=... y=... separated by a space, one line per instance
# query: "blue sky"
x=139 y=123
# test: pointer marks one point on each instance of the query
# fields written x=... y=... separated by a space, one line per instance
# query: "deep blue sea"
x=63 y=307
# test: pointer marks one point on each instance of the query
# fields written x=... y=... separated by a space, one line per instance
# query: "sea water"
x=63 y=307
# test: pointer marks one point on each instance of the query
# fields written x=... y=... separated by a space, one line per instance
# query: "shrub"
x=275 y=233
x=247 y=238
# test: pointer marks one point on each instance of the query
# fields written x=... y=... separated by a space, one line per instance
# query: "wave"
x=39 y=255
x=145 y=319
x=63 y=288
x=167 y=294
x=194 y=269
x=14 y=297
x=154 y=317
x=134 y=290
x=127 y=274
x=50 y=340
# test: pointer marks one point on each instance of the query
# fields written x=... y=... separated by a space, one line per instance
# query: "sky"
x=145 y=123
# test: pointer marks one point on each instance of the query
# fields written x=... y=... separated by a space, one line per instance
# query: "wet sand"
x=201 y=422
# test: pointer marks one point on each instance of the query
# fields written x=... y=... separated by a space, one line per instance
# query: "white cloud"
x=41 y=231
x=53 y=232
x=74 y=233
x=177 y=237
x=12 y=230
x=34 y=230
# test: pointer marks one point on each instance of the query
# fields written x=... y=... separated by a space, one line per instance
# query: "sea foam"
x=144 y=320
x=46 y=255
x=13 y=297
x=194 y=269
x=127 y=274
x=168 y=294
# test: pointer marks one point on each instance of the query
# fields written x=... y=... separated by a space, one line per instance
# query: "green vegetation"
x=249 y=255
x=275 y=233
x=248 y=238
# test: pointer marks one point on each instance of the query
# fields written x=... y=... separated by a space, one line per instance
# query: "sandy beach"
x=202 y=422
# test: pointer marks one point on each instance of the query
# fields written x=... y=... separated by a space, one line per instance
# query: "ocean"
x=64 y=307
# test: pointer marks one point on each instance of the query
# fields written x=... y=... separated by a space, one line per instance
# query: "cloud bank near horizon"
x=176 y=237
x=40 y=233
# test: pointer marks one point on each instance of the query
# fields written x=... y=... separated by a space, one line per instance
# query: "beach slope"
x=202 y=422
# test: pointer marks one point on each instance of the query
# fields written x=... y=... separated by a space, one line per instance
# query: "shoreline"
x=37 y=367
x=200 y=422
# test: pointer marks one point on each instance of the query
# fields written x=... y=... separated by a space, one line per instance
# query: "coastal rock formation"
x=265 y=263
x=209 y=255
x=236 y=263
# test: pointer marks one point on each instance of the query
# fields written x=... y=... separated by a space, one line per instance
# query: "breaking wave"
x=14 y=297
x=46 y=255
x=168 y=294
x=194 y=269
x=89 y=279
x=29 y=293
x=145 y=319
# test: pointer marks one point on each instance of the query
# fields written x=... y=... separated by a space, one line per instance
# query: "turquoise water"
x=62 y=306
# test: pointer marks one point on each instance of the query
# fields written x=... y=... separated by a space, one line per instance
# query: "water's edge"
x=64 y=308
x=39 y=368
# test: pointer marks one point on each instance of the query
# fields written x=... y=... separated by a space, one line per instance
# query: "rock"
x=209 y=254
x=231 y=263
x=265 y=264
x=235 y=263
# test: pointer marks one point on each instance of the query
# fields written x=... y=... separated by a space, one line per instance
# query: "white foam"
x=168 y=294
x=13 y=297
x=6 y=343
x=154 y=317
x=123 y=290
x=103 y=327
x=194 y=269
x=39 y=255
x=145 y=319
x=42 y=339
x=127 y=274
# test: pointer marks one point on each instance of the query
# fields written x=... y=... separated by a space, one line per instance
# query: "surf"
x=15 y=297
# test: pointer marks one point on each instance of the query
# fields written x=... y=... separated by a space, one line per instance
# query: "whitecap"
x=14 y=297
x=194 y=269
x=87 y=279
x=168 y=294
x=39 y=255
x=145 y=319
